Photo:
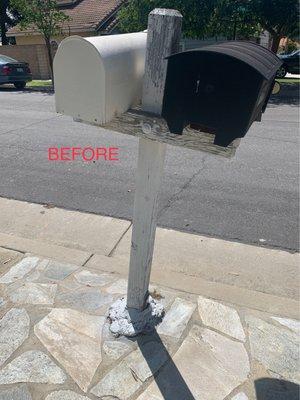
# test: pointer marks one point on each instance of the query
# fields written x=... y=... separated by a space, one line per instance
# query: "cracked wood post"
x=164 y=33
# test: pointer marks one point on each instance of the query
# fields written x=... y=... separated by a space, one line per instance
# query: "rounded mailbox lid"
x=261 y=59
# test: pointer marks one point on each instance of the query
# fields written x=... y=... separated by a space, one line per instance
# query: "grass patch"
x=288 y=81
x=39 y=83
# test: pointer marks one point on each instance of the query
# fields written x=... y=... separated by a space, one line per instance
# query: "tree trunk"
x=50 y=57
x=275 y=43
x=4 y=39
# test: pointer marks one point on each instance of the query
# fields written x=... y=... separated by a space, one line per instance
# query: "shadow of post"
x=276 y=389
x=167 y=376
x=168 y=379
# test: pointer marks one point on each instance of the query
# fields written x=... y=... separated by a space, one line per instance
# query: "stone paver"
x=2 y=302
x=34 y=293
x=32 y=366
x=16 y=393
x=56 y=339
x=275 y=347
x=289 y=323
x=118 y=287
x=19 y=270
x=59 y=271
x=86 y=299
x=65 y=395
x=74 y=339
x=240 y=396
x=147 y=360
x=220 y=317
x=86 y=277
x=36 y=274
x=119 y=382
x=207 y=366
x=177 y=318
x=14 y=330
x=115 y=350
x=70 y=284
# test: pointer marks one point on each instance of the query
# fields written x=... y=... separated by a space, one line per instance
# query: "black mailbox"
x=220 y=89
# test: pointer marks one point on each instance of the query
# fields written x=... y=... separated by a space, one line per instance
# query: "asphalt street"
x=252 y=198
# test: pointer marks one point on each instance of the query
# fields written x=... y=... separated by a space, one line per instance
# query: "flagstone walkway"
x=55 y=342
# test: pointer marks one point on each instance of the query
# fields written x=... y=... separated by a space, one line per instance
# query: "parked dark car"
x=290 y=64
x=15 y=72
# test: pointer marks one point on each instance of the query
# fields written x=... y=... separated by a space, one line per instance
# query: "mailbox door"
x=79 y=79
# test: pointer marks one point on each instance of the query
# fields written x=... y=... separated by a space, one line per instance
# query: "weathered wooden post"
x=164 y=32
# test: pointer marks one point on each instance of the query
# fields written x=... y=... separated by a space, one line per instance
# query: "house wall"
x=38 y=39
x=34 y=54
x=28 y=40
x=32 y=49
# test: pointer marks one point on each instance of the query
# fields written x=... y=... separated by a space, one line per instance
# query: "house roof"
x=85 y=15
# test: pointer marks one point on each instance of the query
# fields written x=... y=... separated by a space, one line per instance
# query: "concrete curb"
x=249 y=276
x=59 y=253
x=194 y=285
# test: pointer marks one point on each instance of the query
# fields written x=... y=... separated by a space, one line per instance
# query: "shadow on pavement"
x=289 y=94
x=276 y=389
x=169 y=380
x=11 y=89
x=167 y=376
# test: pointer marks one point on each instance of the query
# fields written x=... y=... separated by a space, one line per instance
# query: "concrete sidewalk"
x=251 y=276
x=230 y=330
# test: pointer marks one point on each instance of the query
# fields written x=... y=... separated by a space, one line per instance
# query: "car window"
x=6 y=59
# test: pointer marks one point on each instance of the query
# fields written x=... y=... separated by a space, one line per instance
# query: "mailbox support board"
x=136 y=122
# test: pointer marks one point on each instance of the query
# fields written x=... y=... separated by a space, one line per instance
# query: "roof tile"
x=84 y=14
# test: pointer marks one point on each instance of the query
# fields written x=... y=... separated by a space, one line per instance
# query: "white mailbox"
x=99 y=77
